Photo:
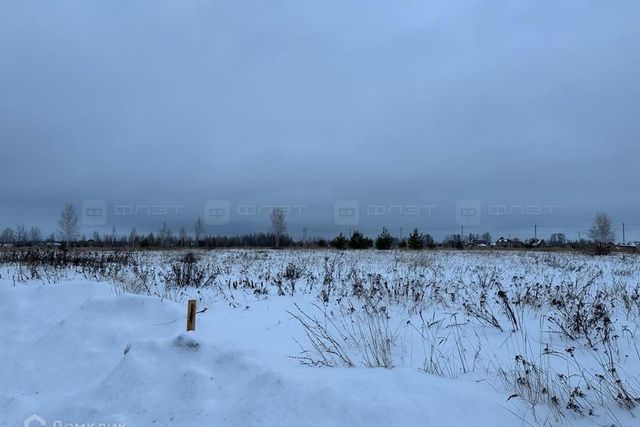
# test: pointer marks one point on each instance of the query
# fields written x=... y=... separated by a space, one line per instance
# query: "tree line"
x=601 y=235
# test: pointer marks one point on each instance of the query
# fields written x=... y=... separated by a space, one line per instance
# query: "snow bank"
x=78 y=353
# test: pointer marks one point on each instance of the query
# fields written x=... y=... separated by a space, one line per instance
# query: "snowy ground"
x=85 y=346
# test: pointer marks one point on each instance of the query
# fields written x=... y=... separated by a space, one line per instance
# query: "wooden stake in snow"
x=191 y=315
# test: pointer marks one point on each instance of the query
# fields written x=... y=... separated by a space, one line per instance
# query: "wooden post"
x=191 y=315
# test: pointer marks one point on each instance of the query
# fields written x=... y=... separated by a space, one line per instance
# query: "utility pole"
x=400 y=233
x=462 y=232
x=535 y=232
x=624 y=240
x=304 y=237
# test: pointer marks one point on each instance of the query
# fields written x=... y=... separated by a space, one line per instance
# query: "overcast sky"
x=529 y=108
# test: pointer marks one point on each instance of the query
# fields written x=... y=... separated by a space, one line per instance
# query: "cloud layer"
x=304 y=102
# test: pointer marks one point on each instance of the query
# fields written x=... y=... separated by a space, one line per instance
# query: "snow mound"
x=125 y=359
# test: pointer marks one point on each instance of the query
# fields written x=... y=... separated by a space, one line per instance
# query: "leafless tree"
x=8 y=235
x=602 y=229
x=114 y=236
x=198 y=229
x=165 y=234
x=183 y=237
x=21 y=233
x=35 y=235
x=68 y=224
x=557 y=239
x=133 y=237
x=278 y=223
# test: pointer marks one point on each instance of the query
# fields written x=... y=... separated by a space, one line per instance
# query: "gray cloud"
x=263 y=102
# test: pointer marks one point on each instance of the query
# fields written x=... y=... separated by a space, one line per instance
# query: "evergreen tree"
x=384 y=240
x=429 y=242
x=416 y=240
x=359 y=241
x=340 y=242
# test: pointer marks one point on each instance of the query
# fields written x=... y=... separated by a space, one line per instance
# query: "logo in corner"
x=35 y=421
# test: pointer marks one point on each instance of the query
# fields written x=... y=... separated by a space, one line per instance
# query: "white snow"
x=75 y=352
x=81 y=351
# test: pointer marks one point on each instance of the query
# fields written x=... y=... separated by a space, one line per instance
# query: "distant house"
x=534 y=243
x=501 y=242
x=633 y=244
x=477 y=242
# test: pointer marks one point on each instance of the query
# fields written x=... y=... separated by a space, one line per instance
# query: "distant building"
x=501 y=242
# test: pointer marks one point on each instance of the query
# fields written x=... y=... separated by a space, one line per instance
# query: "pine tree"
x=416 y=240
x=359 y=241
x=384 y=240
x=429 y=242
x=340 y=242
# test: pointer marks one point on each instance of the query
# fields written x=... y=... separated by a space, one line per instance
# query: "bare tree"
x=198 y=229
x=558 y=239
x=8 y=235
x=183 y=237
x=133 y=237
x=165 y=234
x=114 y=236
x=602 y=229
x=21 y=233
x=96 y=237
x=278 y=223
x=35 y=235
x=68 y=224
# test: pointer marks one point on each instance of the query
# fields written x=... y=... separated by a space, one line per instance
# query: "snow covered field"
x=322 y=338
